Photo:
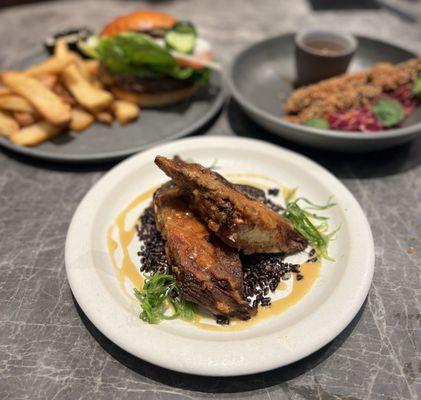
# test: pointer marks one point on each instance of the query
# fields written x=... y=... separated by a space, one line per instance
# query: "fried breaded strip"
x=349 y=90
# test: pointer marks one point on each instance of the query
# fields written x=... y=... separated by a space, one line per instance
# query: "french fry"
x=44 y=100
x=24 y=118
x=125 y=111
x=61 y=49
x=96 y=83
x=84 y=92
x=81 y=66
x=64 y=94
x=4 y=91
x=92 y=69
x=52 y=65
x=35 y=134
x=92 y=66
x=48 y=80
x=89 y=71
x=16 y=103
x=64 y=91
x=105 y=117
x=81 y=120
x=8 y=126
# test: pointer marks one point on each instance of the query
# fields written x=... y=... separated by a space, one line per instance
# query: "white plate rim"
x=175 y=358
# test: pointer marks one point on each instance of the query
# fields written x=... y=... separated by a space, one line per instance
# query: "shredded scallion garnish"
x=310 y=225
x=161 y=298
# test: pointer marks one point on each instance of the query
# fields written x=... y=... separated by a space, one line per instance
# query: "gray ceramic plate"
x=104 y=143
x=260 y=80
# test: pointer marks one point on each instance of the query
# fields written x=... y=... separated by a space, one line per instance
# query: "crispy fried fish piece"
x=237 y=219
x=209 y=272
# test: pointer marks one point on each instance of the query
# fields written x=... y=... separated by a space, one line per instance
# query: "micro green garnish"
x=416 y=87
x=317 y=123
x=310 y=225
x=389 y=112
x=161 y=299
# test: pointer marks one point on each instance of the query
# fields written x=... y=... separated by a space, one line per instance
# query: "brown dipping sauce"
x=325 y=46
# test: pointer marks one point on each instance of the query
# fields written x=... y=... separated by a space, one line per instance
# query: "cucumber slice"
x=181 y=37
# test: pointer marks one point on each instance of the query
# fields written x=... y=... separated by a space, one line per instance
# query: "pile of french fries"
x=62 y=93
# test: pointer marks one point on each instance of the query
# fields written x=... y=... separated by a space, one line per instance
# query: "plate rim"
x=337 y=326
x=254 y=109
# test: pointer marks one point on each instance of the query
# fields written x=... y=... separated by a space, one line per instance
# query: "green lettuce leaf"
x=389 y=112
x=138 y=54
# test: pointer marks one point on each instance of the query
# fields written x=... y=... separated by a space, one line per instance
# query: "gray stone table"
x=49 y=350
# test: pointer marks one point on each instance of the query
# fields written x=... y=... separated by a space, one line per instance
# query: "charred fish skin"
x=240 y=221
x=208 y=272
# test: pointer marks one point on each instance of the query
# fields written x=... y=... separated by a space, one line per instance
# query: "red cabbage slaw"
x=369 y=117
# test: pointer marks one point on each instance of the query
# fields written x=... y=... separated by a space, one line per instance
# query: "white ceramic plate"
x=322 y=314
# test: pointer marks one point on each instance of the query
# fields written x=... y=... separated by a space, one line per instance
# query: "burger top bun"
x=138 y=21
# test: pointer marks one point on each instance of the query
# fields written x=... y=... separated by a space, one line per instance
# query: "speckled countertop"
x=48 y=349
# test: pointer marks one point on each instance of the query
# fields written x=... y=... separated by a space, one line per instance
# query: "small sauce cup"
x=321 y=54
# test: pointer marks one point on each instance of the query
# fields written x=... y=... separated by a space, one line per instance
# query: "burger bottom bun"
x=159 y=99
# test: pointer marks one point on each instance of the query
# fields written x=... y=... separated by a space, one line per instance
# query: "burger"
x=150 y=58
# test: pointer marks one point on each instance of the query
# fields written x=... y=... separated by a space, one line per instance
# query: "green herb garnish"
x=416 y=87
x=303 y=219
x=389 y=112
x=317 y=123
x=161 y=299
